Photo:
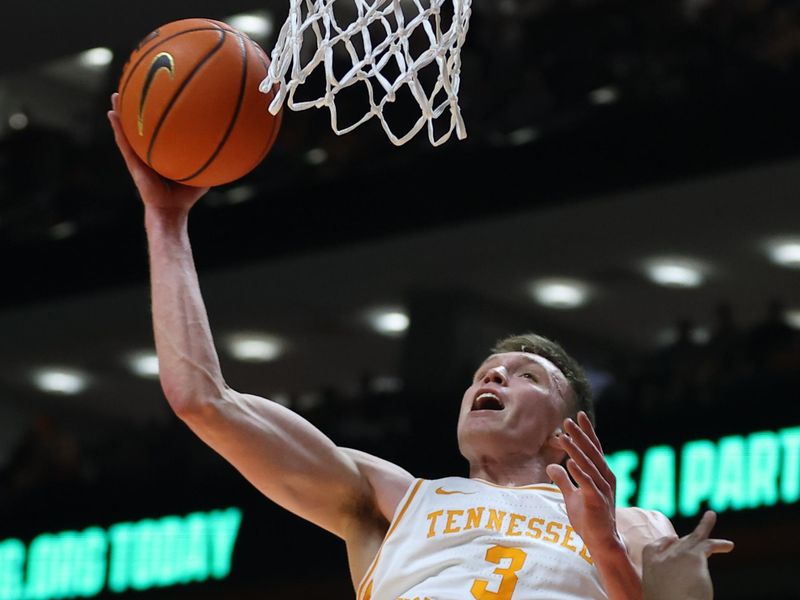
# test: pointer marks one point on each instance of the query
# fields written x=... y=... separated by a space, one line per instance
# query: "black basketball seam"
x=234 y=117
x=180 y=89
x=164 y=41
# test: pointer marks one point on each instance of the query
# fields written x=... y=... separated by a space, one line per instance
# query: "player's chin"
x=486 y=415
x=483 y=420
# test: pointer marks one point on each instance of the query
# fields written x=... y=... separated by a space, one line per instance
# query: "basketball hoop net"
x=375 y=62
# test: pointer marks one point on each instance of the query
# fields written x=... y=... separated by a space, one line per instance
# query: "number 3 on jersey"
x=509 y=574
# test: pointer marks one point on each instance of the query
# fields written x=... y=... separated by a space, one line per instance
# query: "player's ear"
x=552 y=440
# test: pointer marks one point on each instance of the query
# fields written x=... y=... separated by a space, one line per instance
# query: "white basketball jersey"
x=459 y=539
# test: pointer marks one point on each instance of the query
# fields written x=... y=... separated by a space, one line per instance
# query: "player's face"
x=515 y=403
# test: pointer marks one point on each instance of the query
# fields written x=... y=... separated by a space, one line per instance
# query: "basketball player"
x=506 y=532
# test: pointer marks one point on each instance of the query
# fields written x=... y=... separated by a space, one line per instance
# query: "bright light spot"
x=96 y=57
x=389 y=321
x=666 y=337
x=700 y=335
x=254 y=347
x=63 y=230
x=560 y=293
x=60 y=381
x=18 y=121
x=385 y=384
x=316 y=156
x=785 y=252
x=256 y=25
x=678 y=272
x=309 y=401
x=792 y=317
x=522 y=136
x=144 y=364
x=281 y=398
x=604 y=95
x=239 y=194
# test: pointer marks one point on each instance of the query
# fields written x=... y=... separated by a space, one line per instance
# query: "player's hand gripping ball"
x=190 y=105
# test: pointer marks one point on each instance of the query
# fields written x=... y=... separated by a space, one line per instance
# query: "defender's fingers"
x=704 y=527
x=715 y=546
x=659 y=546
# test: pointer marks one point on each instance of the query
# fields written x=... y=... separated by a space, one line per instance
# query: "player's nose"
x=495 y=375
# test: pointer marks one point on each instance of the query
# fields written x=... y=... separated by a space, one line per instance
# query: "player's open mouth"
x=487 y=401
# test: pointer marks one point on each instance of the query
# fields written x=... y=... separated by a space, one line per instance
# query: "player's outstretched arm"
x=282 y=454
x=676 y=569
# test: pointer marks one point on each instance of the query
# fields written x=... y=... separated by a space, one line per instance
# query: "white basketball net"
x=370 y=64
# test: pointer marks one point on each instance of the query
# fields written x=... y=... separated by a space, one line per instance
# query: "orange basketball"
x=190 y=104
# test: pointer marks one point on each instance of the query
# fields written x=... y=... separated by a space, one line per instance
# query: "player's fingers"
x=584 y=481
x=586 y=465
x=591 y=451
x=715 y=546
x=561 y=479
x=119 y=136
x=586 y=425
x=583 y=441
x=128 y=154
x=115 y=102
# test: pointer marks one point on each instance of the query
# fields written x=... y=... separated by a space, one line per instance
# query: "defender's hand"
x=678 y=568
x=156 y=191
x=591 y=505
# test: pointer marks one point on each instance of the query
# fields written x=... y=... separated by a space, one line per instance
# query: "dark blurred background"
x=360 y=283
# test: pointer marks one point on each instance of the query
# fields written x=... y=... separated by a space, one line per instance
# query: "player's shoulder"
x=632 y=520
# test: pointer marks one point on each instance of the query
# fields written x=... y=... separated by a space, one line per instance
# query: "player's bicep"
x=285 y=457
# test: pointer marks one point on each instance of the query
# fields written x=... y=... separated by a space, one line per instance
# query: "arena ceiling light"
x=560 y=292
x=254 y=346
x=18 y=121
x=143 y=363
x=57 y=380
x=604 y=95
x=523 y=135
x=699 y=335
x=389 y=321
x=241 y=193
x=96 y=57
x=316 y=156
x=675 y=272
x=784 y=252
x=258 y=25
x=793 y=317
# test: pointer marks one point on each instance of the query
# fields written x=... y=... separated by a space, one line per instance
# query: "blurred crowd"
x=730 y=379
x=708 y=382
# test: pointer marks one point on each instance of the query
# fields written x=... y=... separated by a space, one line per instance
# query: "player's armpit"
x=639 y=527
x=388 y=481
x=288 y=459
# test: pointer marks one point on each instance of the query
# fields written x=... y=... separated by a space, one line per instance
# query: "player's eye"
x=530 y=376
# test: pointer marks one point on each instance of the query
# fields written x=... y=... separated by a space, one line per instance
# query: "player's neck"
x=510 y=472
